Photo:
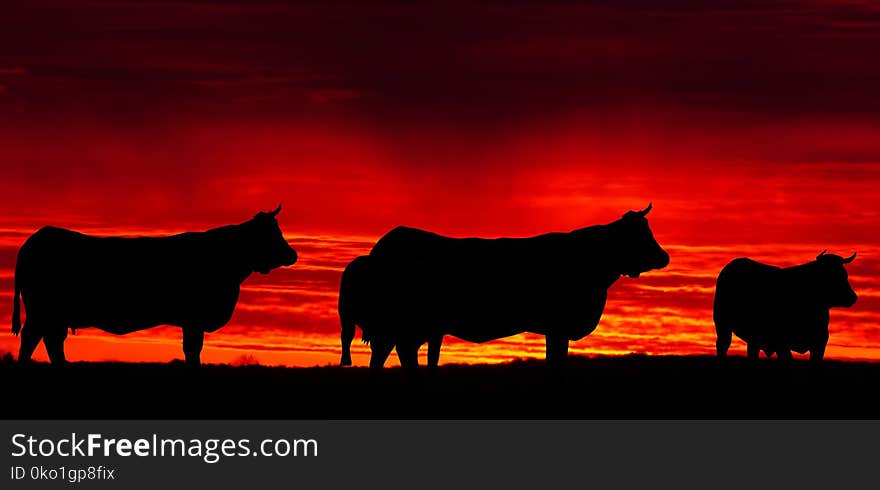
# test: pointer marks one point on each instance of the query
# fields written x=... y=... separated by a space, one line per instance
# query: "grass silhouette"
x=619 y=387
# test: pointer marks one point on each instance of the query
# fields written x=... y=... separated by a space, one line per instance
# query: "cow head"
x=633 y=246
x=834 y=281
x=266 y=247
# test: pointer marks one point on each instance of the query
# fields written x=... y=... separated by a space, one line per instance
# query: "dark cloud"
x=459 y=62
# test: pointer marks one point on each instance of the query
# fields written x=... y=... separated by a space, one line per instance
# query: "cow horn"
x=275 y=213
x=850 y=258
x=821 y=254
x=646 y=210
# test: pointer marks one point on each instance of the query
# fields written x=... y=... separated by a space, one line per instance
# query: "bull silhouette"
x=779 y=310
x=120 y=285
x=416 y=286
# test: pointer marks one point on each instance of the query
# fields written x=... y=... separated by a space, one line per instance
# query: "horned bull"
x=780 y=310
x=68 y=280
x=417 y=286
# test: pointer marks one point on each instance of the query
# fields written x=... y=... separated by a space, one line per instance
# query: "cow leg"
x=193 y=339
x=722 y=341
x=817 y=350
x=753 y=350
x=408 y=354
x=30 y=337
x=54 y=340
x=557 y=351
x=379 y=354
x=434 y=352
x=816 y=355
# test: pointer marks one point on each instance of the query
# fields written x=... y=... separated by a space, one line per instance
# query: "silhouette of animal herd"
x=414 y=287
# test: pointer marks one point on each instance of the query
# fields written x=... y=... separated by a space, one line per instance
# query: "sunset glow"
x=753 y=130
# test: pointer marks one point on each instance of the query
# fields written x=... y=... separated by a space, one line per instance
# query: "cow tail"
x=347 y=309
x=16 y=302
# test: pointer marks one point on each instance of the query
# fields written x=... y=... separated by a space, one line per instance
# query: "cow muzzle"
x=664 y=260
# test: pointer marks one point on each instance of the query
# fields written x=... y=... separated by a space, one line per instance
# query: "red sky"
x=752 y=126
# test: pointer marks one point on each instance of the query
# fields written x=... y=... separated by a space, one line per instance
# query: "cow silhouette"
x=415 y=287
x=779 y=310
x=120 y=285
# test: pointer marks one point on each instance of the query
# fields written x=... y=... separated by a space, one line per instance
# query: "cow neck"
x=231 y=244
x=803 y=277
x=602 y=263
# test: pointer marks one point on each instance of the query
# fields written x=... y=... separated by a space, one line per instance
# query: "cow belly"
x=484 y=332
x=573 y=321
x=798 y=336
x=120 y=327
x=804 y=339
x=132 y=309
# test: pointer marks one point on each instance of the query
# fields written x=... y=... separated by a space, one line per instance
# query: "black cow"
x=121 y=285
x=416 y=287
x=778 y=309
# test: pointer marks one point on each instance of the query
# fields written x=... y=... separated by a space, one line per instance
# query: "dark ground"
x=629 y=387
